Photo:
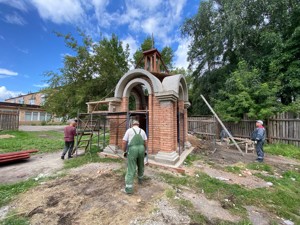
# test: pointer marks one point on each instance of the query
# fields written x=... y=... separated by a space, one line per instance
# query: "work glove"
x=125 y=154
x=255 y=142
x=146 y=154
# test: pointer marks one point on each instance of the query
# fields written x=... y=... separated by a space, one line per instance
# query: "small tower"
x=153 y=62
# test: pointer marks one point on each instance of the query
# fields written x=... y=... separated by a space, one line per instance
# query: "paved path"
x=42 y=128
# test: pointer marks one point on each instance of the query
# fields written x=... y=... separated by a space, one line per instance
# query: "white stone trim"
x=136 y=73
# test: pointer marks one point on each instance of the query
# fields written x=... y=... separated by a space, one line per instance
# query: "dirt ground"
x=92 y=194
x=36 y=165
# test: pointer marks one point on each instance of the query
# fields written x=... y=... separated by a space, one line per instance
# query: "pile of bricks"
x=15 y=156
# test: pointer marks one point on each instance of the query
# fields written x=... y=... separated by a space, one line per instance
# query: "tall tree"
x=89 y=75
x=259 y=33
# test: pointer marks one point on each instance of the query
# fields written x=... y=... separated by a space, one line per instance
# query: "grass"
x=260 y=167
x=286 y=150
x=283 y=198
x=9 y=191
x=12 y=219
x=191 y=158
x=233 y=169
x=44 y=141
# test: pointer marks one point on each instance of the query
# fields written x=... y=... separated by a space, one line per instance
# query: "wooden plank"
x=230 y=136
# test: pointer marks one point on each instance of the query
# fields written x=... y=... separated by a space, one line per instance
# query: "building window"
x=42 y=116
x=21 y=100
x=27 y=116
x=35 y=116
x=49 y=116
x=32 y=101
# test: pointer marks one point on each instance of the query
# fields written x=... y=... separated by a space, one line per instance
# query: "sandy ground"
x=92 y=194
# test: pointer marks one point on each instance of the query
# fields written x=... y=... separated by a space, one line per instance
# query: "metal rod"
x=229 y=134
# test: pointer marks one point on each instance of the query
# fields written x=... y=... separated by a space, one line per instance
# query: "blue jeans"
x=69 y=145
x=260 y=150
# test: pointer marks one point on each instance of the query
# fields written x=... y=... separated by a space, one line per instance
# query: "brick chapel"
x=159 y=101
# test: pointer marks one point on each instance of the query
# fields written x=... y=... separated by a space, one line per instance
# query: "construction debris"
x=16 y=156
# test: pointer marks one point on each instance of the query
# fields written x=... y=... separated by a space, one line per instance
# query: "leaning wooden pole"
x=229 y=135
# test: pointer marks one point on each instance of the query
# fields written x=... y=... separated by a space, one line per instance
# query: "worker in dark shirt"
x=70 y=132
x=259 y=137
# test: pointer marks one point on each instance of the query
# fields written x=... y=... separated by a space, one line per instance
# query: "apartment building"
x=29 y=108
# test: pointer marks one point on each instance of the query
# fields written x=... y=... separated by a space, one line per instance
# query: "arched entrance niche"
x=138 y=90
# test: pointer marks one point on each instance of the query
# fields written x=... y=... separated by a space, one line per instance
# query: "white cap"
x=260 y=121
x=135 y=122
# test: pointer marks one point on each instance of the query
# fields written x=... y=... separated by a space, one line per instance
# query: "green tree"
x=246 y=92
x=260 y=33
x=89 y=75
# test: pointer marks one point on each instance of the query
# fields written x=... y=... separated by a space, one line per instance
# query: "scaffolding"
x=97 y=125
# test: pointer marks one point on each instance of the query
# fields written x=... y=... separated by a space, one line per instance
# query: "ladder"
x=85 y=132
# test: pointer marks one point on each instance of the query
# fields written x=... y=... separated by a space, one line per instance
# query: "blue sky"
x=29 y=47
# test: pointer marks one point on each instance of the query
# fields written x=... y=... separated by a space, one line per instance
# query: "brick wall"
x=30 y=99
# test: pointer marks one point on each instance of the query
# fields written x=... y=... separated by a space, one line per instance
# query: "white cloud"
x=25 y=51
x=156 y=16
x=41 y=85
x=60 y=11
x=101 y=15
x=14 y=19
x=181 y=53
x=149 y=5
x=4 y=93
x=7 y=72
x=18 y=4
x=133 y=46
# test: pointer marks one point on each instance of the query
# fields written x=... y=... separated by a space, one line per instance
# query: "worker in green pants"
x=136 y=139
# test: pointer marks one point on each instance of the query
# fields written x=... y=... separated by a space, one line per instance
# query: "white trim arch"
x=133 y=83
x=173 y=83
x=136 y=73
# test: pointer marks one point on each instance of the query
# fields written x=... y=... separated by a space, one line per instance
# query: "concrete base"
x=170 y=158
x=187 y=145
x=112 y=149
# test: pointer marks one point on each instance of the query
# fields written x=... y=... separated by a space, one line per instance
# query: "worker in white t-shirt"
x=136 y=139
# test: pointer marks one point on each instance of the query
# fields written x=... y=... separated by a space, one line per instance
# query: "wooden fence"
x=283 y=128
x=9 y=120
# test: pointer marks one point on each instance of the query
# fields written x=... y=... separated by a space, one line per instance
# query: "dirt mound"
x=3 y=136
x=94 y=198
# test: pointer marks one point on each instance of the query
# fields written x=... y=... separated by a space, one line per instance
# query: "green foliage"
x=176 y=181
x=9 y=191
x=286 y=150
x=260 y=167
x=170 y=193
x=15 y=220
x=44 y=141
x=284 y=193
x=246 y=57
x=244 y=92
x=233 y=169
x=89 y=75
x=191 y=158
